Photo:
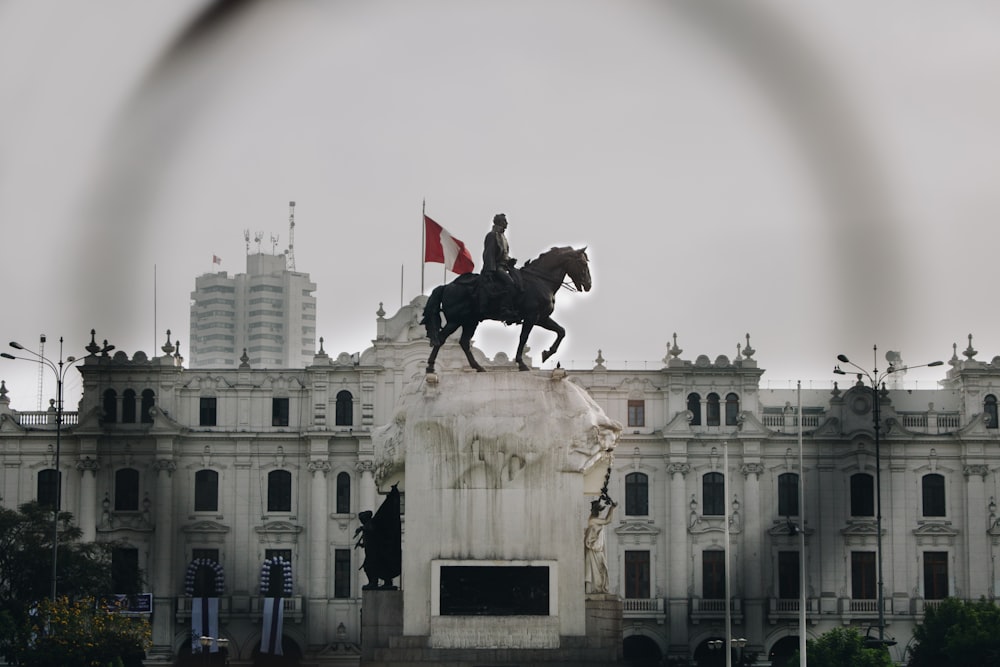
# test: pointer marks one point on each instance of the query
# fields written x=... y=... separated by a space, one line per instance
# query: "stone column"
x=677 y=593
x=163 y=552
x=366 y=485
x=979 y=548
x=88 y=497
x=753 y=569
x=318 y=565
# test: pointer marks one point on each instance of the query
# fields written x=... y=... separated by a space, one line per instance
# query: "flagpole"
x=423 y=242
x=401 y=285
x=725 y=490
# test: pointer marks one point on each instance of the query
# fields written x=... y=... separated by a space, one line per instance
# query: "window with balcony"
x=713 y=411
x=110 y=406
x=206 y=491
x=127 y=490
x=732 y=409
x=279 y=491
x=863 y=584
x=637 y=575
x=279 y=411
x=990 y=410
x=47 y=491
x=343 y=493
x=345 y=409
x=862 y=495
x=206 y=411
x=935 y=575
x=128 y=406
x=342 y=573
x=146 y=411
x=788 y=494
x=636 y=412
x=933 y=495
x=788 y=575
x=713 y=574
x=694 y=407
x=636 y=494
x=713 y=494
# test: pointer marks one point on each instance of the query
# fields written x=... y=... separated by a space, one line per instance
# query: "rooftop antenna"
x=41 y=367
x=274 y=242
x=258 y=237
x=290 y=253
x=246 y=237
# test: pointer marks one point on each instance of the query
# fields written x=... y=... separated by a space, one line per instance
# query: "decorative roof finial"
x=93 y=347
x=969 y=351
x=748 y=351
x=168 y=348
x=244 y=359
x=673 y=350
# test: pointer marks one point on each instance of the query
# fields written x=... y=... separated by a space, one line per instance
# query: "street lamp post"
x=60 y=368
x=875 y=379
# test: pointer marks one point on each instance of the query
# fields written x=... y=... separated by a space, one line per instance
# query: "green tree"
x=957 y=632
x=84 y=568
x=842 y=647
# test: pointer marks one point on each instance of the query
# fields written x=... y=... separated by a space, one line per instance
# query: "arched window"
x=48 y=488
x=862 y=495
x=713 y=494
x=713 y=413
x=128 y=406
x=732 y=409
x=110 y=406
x=146 y=415
x=279 y=491
x=345 y=409
x=933 y=495
x=694 y=407
x=206 y=491
x=636 y=494
x=788 y=494
x=343 y=493
x=990 y=410
x=127 y=490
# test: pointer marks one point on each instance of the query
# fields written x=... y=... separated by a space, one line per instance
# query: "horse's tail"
x=432 y=316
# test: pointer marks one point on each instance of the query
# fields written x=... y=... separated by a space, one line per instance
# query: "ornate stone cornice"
x=981 y=470
x=682 y=468
x=87 y=463
x=165 y=465
x=755 y=469
x=319 y=466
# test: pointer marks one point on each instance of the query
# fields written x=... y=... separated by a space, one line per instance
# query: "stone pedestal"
x=381 y=619
x=494 y=468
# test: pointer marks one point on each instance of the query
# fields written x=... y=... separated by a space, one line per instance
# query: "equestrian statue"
x=504 y=293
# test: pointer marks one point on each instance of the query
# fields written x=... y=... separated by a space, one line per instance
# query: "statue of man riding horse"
x=503 y=293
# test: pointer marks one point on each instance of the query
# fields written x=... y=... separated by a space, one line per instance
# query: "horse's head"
x=578 y=269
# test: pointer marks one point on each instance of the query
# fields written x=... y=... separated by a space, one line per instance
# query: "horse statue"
x=539 y=279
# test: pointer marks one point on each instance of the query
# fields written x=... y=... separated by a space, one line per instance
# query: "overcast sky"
x=822 y=176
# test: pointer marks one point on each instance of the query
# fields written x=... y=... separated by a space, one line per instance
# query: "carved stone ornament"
x=87 y=463
x=165 y=465
x=319 y=466
x=682 y=468
x=981 y=470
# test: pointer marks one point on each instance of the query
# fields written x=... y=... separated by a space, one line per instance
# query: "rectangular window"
x=276 y=553
x=713 y=491
x=48 y=488
x=206 y=411
x=206 y=491
x=125 y=570
x=713 y=575
x=636 y=413
x=788 y=575
x=788 y=494
x=210 y=554
x=863 y=575
x=342 y=573
x=637 y=575
x=279 y=412
x=935 y=575
x=933 y=495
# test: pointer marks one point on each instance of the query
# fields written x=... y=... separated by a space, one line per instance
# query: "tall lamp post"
x=875 y=378
x=60 y=368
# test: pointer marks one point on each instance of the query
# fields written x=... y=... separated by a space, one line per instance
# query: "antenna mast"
x=274 y=242
x=41 y=367
x=246 y=237
x=291 y=236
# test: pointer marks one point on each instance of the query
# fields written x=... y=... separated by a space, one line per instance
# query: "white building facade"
x=267 y=314
x=244 y=464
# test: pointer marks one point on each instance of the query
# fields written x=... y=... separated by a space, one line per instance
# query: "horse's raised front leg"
x=525 y=330
x=466 y=342
x=448 y=330
x=552 y=325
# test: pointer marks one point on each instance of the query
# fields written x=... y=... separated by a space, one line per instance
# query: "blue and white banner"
x=274 y=617
x=204 y=623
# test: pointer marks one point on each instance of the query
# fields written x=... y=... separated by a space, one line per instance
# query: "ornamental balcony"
x=785 y=609
x=863 y=609
x=709 y=609
x=644 y=608
x=44 y=419
x=244 y=606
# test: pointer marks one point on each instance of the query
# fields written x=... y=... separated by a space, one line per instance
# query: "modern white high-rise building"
x=268 y=313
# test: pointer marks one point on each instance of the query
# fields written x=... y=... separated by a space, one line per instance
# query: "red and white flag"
x=443 y=248
x=216 y=259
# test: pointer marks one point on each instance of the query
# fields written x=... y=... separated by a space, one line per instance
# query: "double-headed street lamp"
x=60 y=368
x=875 y=378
